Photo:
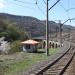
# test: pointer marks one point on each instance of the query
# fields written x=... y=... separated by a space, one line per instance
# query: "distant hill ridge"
x=32 y=25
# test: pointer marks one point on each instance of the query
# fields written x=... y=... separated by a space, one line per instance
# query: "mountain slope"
x=32 y=25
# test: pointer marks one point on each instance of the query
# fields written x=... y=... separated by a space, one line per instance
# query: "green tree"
x=15 y=33
x=3 y=26
x=5 y=34
x=11 y=31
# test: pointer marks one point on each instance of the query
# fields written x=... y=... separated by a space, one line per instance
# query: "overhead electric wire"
x=25 y=2
x=44 y=1
x=65 y=10
x=68 y=20
x=35 y=3
x=62 y=6
x=39 y=7
x=20 y=5
x=70 y=9
x=54 y=4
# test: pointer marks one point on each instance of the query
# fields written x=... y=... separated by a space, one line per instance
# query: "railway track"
x=60 y=65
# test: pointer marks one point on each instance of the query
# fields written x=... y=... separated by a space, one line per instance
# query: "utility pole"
x=47 y=26
x=47 y=30
x=69 y=32
x=56 y=33
x=60 y=32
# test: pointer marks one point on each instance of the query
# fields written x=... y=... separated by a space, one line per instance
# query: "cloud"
x=2 y=4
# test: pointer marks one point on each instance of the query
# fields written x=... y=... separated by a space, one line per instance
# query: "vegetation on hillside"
x=12 y=32
x=34 y=26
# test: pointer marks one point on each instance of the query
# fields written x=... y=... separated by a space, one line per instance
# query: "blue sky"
x=29 y=8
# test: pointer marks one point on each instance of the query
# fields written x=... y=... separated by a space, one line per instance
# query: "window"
x=27 y=46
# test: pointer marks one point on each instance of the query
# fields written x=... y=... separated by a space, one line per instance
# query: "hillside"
x=33 y=26
x=29 y=24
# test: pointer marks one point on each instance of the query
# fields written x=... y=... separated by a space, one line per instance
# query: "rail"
x=40 y=70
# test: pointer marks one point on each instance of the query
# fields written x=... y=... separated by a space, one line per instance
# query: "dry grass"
x=15 y=63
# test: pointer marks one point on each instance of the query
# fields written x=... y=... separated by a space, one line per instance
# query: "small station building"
x=30 y=45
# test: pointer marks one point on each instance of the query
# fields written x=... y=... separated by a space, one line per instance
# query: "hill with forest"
x=33 y=26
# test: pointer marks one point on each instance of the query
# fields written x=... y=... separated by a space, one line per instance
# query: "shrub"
x=15 y=47
x=16 y=33
x=5 y=34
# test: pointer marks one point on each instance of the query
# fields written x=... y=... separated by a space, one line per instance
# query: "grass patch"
x=20 y=61
x=53 y=51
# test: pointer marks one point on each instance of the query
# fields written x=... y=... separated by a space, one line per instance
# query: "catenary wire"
x=39 y=7
x=36 y=3
x=25 y=2
x=44 y=1
x=54 y=4
x=20 y=5
x=65 y=10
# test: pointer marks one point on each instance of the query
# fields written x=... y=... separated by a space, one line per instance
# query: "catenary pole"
x=47 y=38
x=60 y=32
x=47 y=26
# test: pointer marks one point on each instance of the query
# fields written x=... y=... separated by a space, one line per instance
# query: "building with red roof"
x=30 y=45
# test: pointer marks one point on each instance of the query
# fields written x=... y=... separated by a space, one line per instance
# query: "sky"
x=30 y=8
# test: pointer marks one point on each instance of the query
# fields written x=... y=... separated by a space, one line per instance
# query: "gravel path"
x=71 y=69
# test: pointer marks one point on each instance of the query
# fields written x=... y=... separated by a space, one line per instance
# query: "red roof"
x=30 y=42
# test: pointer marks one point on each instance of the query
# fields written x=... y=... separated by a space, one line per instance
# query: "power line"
x=54 y=4
x=62 y=6
x=68 y=20
x=25 y=2
x=70 y=9
x=44 y=1
x=36 y=3
x=39 y=7
x=65 y=10
x=20 y=5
